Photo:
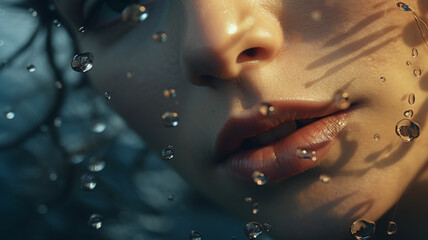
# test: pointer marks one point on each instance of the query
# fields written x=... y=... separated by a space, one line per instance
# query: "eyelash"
x=100 y=14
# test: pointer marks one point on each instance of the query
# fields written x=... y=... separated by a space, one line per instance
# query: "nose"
x=224 y=37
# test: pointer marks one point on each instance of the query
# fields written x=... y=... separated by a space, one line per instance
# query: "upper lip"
x=237 y=129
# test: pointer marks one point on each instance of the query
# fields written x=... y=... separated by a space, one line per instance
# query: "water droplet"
x=168 y=153
x=404 y=7
x=169 y=93
x=417 y=72
x=341 y=99
x=253 y=230
x=392 y=228
x=95 y=221
x=33 y=12
x=248 y=199
x=129 y=74
x=383 y=79
x=267 y=227
x=412 y=98
x=53 y=176
x=99 y=127
x=9 y=115
x=255 y=208
x=82 y=29
x=408 y=114
x=96 y=165
x=195 y=235
x=376 y=137
x=88 y=181
x=42 y=209
x=316 y=15
x=56 y=23
x=107 y=95
x=76 y=159
x=363 y=229
x=324 y=178
x=171 y=197
x=82 y=62
x=306 y=154
x=58 y=122
x=31 y=68
x=170 y=119
x=134 y=13
x=259 y=178
x=160 y=37
x=266 y=109
x=415 y=52
x=408 y=63
x=407 y=130
x=58 y=85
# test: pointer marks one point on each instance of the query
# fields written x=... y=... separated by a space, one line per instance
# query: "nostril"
x=251 y=54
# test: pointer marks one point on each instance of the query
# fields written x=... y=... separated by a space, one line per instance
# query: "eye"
x=100 y=14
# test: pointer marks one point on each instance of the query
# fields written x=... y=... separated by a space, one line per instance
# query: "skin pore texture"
x=225 y=58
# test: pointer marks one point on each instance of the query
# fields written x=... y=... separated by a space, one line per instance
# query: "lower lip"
x=280 y=159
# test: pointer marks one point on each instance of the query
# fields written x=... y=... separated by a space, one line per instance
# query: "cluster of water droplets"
x=266 y=109
x=341 y=99
x=259 y=178
x=95 y=221
x=306 y=154
x=135 y=13
x=253 y=230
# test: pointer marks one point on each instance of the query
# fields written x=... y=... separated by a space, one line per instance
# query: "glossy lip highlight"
x=279 y=159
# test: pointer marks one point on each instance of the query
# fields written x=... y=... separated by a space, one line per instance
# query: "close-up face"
x=304 y=106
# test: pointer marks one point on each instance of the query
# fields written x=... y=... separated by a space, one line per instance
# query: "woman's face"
x=228 y=59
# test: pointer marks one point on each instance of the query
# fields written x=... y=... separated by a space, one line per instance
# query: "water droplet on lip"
x=160 y=37
x=253 y=230
x=170 y=119
x=376 y=137
x=362 y=229
x=169 y=93
x=412 y=99
x=82 y=62
x=195 y=235
x=417 y=72
x=392 y=228
x=324 y=178
x=171 y=197
x=168 y=153
x=259 y=178
x=341 y=99
x=107 y=95
x=9 y=115
x=99 y=127
x=266 y=109
x=407 y=130
x=404 y=7
x=95 y=221
x=415 y=52
x=408 y=114
x=31 y=68
x=88 y=182
x=306 y=154
x=96 y=165
x=134 y=13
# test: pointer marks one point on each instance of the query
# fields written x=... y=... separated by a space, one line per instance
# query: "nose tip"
x=227 y=37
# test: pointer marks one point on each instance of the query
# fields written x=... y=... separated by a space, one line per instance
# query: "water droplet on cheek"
x=415 y=52
x=9 y=115
x=99 y=127
x=107 y=95
x=168 y=153
x=341 y=98
x=408 y=63
x=412 y=99
x=253 y=230
x=195 y=235
x=82 y=29
x=31 y=68
x=259 y=178
x=96 y=165
x=363 y=229
x=88 y=182
x=82 y=62
x=376 y=137
x=56 y=23
x=134 y=14
x=407 y=130
x=408 y=114
x=170 y=119
x=392 y=228
x=95 y=221
x=417 y=72
x=383 y=79
x=266 y=109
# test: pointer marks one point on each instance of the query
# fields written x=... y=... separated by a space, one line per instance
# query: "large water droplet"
x=95 y=221
x=404 y=7
x=341 y=98
x=306 y=154
x=31 y=68
x=253 y=230
x=9 y=115
x=363 y=229
x=392 y=228
x=171 y=197
x=255 y=208
x=266 y=109
x=168 y=153
x=195 y=235
x=407 y=130
x=408 y=114
x=160 y=37
x=96 y=165
x=259 y=178
x=134 y=13
x=88 y=181
x=170 y=119
x=169 y=93
x=415 y=52
x=417 y=72
x=99 y=127
x=107 y=95
x=324 y=178
x=267 y=227
x=82 y=62
x=412 y=98
x=376 y=137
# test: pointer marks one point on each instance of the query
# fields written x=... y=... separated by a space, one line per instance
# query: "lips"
x=274 y=144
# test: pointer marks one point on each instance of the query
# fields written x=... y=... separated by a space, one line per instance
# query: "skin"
x=305 y=50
